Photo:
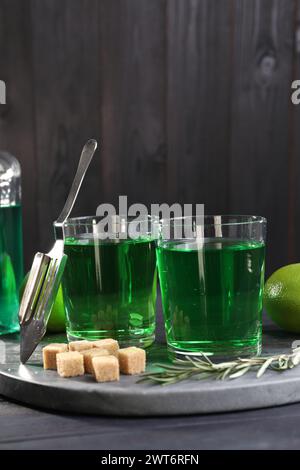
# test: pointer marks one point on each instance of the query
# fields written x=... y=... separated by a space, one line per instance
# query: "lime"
x=57 y=320
x=282 y=297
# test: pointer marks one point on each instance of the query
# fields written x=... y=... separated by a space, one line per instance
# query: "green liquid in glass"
x=11 y=267
x=110 y=290
x=212 y=298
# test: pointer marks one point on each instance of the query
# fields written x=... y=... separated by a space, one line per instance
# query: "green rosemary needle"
x=202 y=367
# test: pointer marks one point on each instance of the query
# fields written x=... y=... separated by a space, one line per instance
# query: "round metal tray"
x=32 y=385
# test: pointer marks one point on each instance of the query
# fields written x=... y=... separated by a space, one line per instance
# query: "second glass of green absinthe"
x=212 y=297
x=110 y=289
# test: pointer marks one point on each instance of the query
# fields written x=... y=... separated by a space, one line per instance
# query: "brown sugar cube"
x=106 y=368
x=88 y=356
x=70 y=364
x=132 y=360
x=111 y=345
x=49 y=354
x=80 y=345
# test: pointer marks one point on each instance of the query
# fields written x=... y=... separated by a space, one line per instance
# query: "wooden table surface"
x=27 y=428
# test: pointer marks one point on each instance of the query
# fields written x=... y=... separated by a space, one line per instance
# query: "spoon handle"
x=85 y=160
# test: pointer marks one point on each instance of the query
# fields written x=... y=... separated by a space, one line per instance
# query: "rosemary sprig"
x=202 y=367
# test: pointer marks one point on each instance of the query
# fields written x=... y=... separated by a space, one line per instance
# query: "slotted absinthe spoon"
x=47 y=270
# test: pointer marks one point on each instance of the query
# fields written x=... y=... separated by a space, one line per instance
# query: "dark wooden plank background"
x=190 y=100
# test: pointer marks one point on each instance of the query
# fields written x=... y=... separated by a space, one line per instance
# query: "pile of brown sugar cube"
x=103 y=359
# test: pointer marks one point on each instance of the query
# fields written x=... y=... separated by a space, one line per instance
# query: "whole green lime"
x=57 y=320
x=282 y=297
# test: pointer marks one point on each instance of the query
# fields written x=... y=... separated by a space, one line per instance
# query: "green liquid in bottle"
x=11 y=267
x=110 y=290
x=212 y=298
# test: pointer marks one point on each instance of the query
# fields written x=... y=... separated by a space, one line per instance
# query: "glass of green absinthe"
x=110 y=281
x=211 y=272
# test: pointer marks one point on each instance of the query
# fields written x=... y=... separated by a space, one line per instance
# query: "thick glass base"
x=219 y=350
x=140 y=338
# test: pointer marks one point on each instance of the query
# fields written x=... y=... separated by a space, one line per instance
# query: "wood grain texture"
x=132 y=62
x=294 y=222
x=263 y=59
x=17 y=133
x=66 y=85
x=190 y=101
x=198 y=102
x=272 y=428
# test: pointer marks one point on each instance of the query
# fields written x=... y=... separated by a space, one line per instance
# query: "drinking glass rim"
x=256 y=219
x=90 y=219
